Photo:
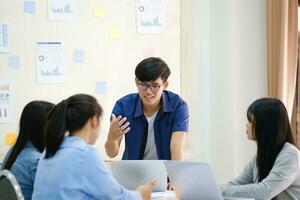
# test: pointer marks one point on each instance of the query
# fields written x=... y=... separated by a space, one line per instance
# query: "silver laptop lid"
x=132 y=173
x=194 y=181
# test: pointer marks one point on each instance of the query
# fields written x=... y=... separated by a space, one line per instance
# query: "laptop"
x=133 y=173
x=193 y=181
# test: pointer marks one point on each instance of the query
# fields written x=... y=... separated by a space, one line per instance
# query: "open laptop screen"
x=132 y=173
x=193 y=181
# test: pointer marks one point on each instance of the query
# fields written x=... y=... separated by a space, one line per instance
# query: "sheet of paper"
x=150 y=16
x=29 y=7
x=4 y=35
x=63 y=9
x=5 y=101
x=163 y=195
x=50 y=63
x=237 y=198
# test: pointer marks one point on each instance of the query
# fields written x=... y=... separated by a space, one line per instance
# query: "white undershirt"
x=150 y=152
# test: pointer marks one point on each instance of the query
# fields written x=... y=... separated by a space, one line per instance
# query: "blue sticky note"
x=14 y=62
x=78 y=56
x=29 y=7
x=101 y=87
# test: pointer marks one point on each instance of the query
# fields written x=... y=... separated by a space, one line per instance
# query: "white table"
x=167 y=195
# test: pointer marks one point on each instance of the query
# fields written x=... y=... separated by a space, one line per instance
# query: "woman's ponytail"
x=69 y=115
x=56 y=128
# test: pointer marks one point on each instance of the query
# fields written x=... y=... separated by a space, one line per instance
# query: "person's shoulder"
x=29 y=154
x=174 y=99
x=94 y=159
x=73 y=143
x=28 y=158
x=289 y=153
x=173 y=96
x=92 y=151
x=129 y=98
x=289 y=149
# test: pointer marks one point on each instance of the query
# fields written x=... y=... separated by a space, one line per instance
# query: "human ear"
x=95 y=121
x=166 y=84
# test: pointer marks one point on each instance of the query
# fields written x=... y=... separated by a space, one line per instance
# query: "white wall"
x=228 y=72
x=109 y=60
x=224 y=66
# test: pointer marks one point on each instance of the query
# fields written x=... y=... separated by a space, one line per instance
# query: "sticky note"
x=78 y=56
x=114 y=32
x=14 y=62
x=148 y=53
x=99 y=11
x=101 y=87
x=10 y=139
x=29 y=7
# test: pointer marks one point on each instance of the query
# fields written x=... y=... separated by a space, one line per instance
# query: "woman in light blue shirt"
x=70 y=167
x=274 y=172
x=22 y=159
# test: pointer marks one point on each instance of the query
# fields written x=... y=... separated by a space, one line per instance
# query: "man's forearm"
x=177 y=154
x=112 y=148
x=177 y=145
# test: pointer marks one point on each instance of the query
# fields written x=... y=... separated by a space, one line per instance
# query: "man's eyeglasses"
x=144 y=86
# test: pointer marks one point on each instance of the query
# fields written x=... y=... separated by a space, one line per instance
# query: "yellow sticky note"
x=99 y=11
x=10 y=139
x=114 y=32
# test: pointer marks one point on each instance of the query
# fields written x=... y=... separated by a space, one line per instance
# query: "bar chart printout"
x=49 y=60
x=150 y=16
x=4 y=41
x=5 y=101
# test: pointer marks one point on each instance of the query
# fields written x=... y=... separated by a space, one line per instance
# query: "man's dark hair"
x=151 y=69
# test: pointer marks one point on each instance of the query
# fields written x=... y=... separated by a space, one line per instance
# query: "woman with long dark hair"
x=22 y=159
x=274 y=172
x=70 y=167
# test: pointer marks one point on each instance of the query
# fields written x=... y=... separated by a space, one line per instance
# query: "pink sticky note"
x=148 y=53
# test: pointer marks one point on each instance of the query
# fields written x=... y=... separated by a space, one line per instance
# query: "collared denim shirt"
x=24 y=168
x=77 y=172
x=173 y=116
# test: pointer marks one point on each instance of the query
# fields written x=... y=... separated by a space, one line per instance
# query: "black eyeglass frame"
x=144 y=86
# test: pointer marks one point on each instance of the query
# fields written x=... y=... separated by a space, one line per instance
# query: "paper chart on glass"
x=63 y=10
x=150 y=16
x=4 y=38
x=6 y=101
x=50 y=63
